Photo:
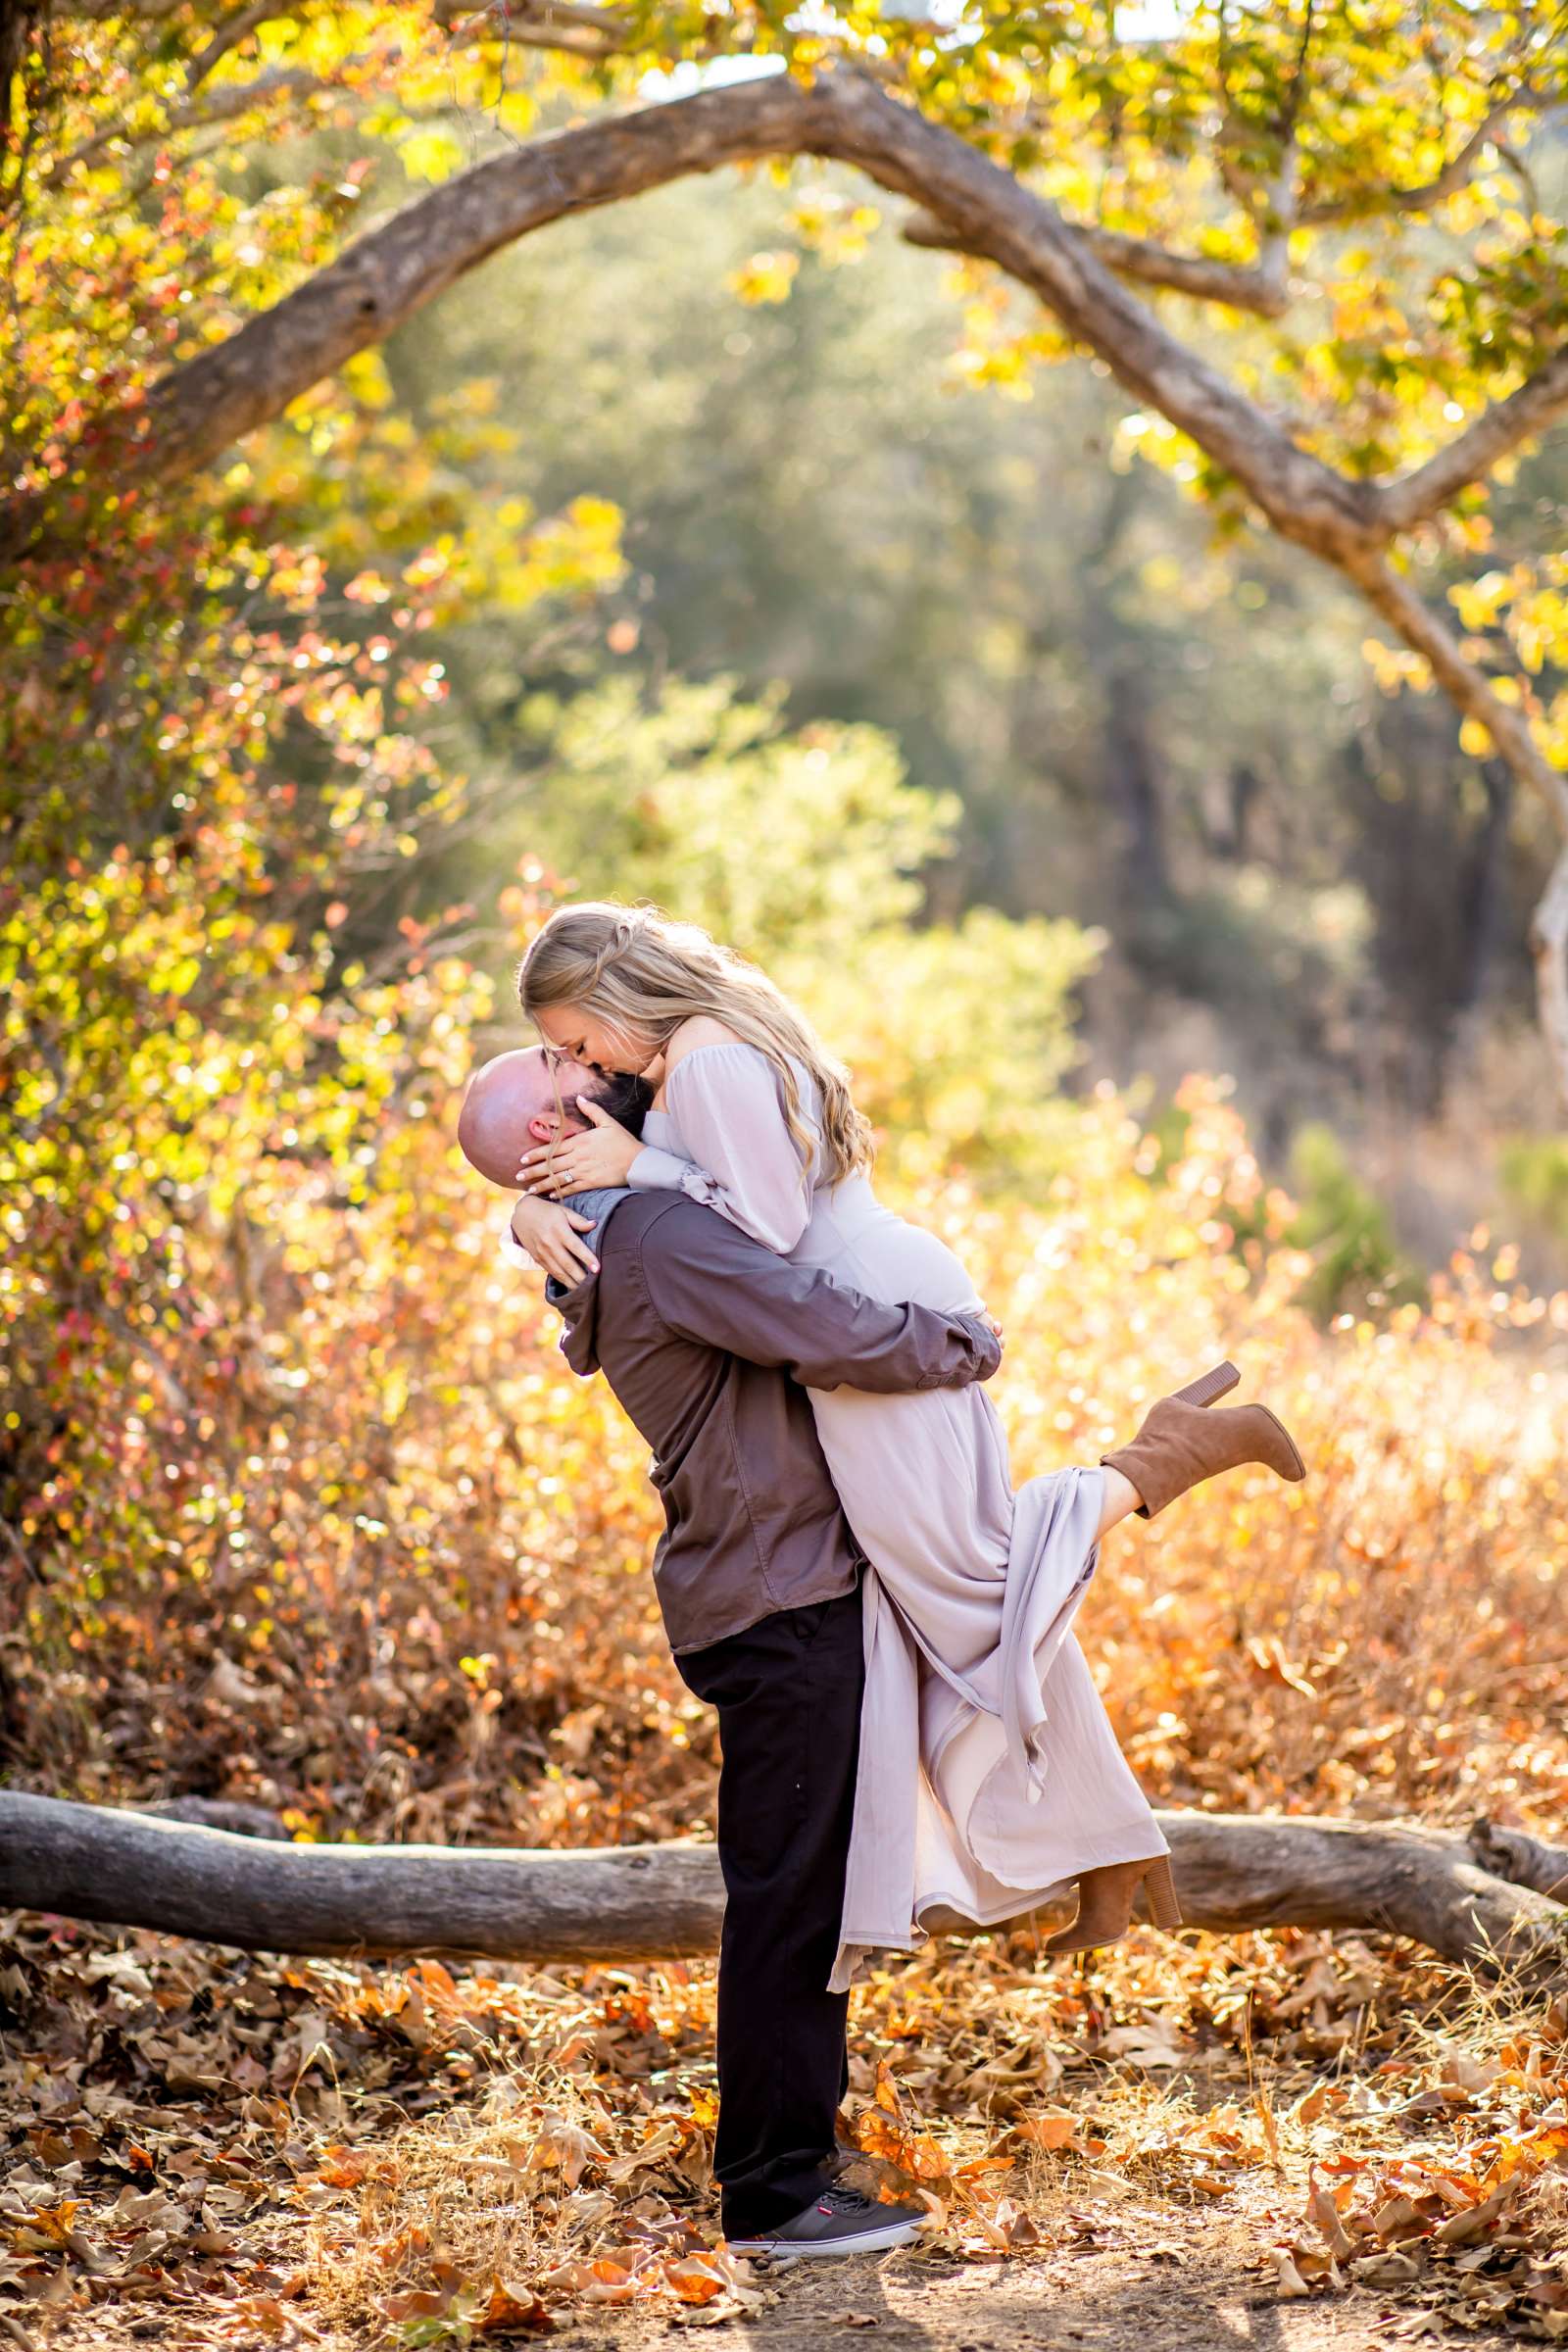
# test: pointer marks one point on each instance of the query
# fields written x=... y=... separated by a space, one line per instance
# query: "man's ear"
x=544 y=1126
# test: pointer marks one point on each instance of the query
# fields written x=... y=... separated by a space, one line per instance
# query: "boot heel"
x=1159 y=1893
x=1294 y=1467
x=1217 y=1383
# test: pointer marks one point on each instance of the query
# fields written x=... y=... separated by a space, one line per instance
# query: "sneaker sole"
x=796 y=2249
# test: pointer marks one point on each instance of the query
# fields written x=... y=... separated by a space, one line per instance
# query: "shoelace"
x=843 y=2200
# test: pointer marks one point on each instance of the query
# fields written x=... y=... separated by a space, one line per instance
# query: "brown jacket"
x=710 y=1342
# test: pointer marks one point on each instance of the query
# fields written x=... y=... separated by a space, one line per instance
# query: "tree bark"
x=16 y=19
x=631 y=1903
x=221 y=1813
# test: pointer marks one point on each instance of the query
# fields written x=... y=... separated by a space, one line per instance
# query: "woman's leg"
x=1123 y=1498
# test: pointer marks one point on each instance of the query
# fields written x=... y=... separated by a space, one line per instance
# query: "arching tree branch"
x=1500 y=428
x=236 y=27
x=1148 y=263
x=199 y=409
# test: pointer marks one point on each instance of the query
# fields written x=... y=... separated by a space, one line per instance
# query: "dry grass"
x=415 y=1605
x=1029 y=2107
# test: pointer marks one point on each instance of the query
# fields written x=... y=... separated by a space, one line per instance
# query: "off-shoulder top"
x=724 y=1141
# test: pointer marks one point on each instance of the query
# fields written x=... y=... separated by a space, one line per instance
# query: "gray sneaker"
x=841 y=2222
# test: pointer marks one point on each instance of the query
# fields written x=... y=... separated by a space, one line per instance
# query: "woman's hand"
x=549 y=1234
x=581 y=1163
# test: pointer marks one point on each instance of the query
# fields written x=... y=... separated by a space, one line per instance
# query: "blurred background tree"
x=783 y=448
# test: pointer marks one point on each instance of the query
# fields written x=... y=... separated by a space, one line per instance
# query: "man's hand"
x=581 y=1163
x=549 y=1234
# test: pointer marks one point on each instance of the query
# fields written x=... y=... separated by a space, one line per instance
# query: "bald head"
x=512 y=1106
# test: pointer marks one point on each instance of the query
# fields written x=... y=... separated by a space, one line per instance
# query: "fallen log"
x=653 y=1902
x=1514 y=1854
x=142 y=1869
x=218 y=1813
x=1428 y=1885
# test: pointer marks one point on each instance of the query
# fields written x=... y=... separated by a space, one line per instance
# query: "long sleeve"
x=707 y=1282
x=728 y=1104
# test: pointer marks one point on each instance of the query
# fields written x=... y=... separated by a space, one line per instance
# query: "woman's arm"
x=728 y=1102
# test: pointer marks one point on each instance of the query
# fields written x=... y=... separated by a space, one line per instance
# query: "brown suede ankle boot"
x=1105 y=1898
x=1182 y=1441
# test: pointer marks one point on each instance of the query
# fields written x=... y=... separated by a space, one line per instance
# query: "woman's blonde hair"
x=640 y=973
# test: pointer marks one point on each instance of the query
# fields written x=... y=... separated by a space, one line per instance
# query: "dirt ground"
x=1153 y=2274
x=1117 y=2273
x=1204 y=2302
x=220 y=2153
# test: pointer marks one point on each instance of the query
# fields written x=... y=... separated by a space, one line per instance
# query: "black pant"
x=788 y=1694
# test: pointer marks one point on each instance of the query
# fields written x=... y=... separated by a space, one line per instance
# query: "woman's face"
x=575 y=1035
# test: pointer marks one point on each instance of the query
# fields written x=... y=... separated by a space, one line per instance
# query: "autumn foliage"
x=299 y=1506
x=302 y=1508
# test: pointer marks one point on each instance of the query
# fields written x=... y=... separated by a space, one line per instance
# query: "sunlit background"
x=729 y=550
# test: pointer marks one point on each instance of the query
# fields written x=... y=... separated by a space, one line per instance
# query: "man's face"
x=622 y=1094
x=548 y=1126
x=516 y=1102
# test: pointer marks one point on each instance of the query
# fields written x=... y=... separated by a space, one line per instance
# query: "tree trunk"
x=1133 y=787
x=1471 y=693
x=1245 y=791
x=658 y=1902
x=1484 y=888
x=18 y=18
